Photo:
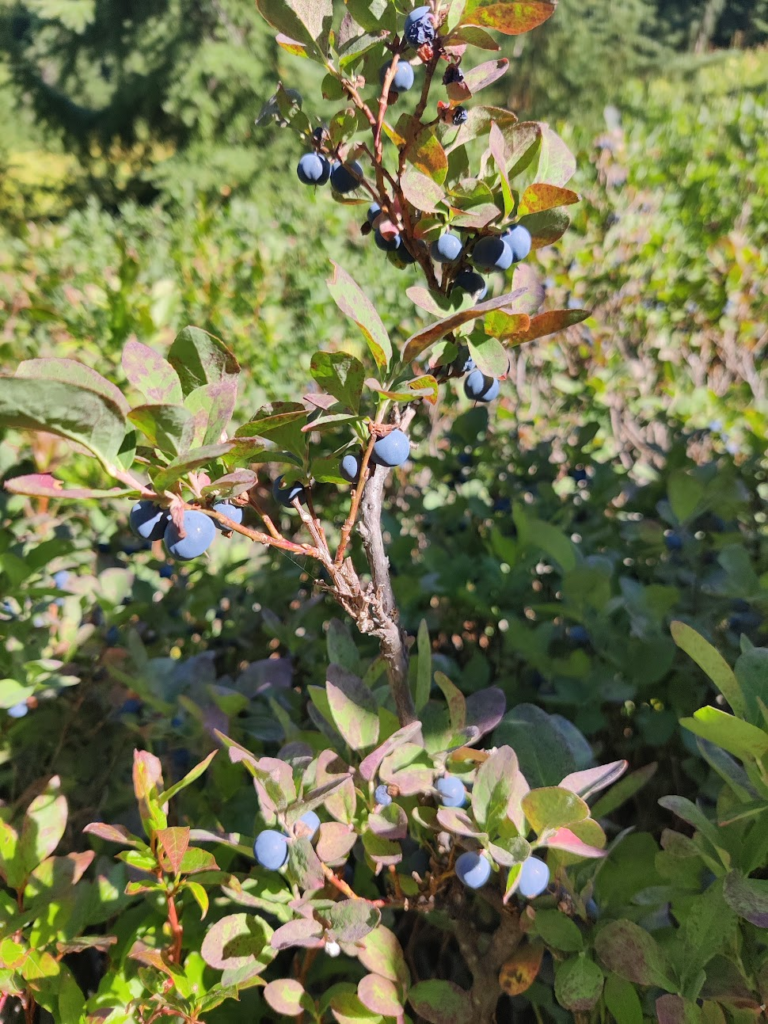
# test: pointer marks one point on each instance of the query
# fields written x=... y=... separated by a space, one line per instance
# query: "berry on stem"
x=419 y=28
x=18 y=710
x=534 y=878
x=404 y=76
x=373 y=212
x=313 y=169
x=446 y=249
x=473 y=869
x=199 y=534
x=349 y=467
x=271 y=849
x=312 y=823
x=346 y=177
x=391 y=450
x=148 y=520
x=287 y=495
x=519 y=240
x=453 y=792
x=386 y=244
x=480 y=388
x=226 y=508
x=492 y=253
x=470 y=281
x=381 y=796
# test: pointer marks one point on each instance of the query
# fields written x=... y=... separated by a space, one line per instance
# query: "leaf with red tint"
x=512 y=17
x=174 y=842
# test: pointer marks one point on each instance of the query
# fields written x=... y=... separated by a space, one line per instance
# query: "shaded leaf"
x=234 y=941
x=355 y=304
x=200 y=358
x=441 y=1002
x=712 y=662
x=339 y=374
x=748 y=897
x=578 y=984
x=629 y=951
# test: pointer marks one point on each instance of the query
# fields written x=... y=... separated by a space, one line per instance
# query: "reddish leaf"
x=335 y=841
x=111 y=833
x=43 y=485
x=539 y=197
x=286 y=996
x=549 y=323
x=520 y=971
x=421 y=191
x=485 y=74
x=301 y=932
x=370 y=765
x=421 y=340
x=380 y=995
x=512 y=17
x=174 y=842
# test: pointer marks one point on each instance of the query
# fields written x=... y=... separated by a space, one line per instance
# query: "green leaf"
x=457 y=705
x=188 y=462
x=352 y=301
x=67 y=410
x=166 y=426
x=441 y=1002
x=688 y=811
x=280 y=422
x=708 y=926
x=341 y=375
x=630 y=952
x=307 y=21
x=489 y=355
x=200 y=895
x=381 y=953
x=188 y=779
x=622 y=1000
x=578 y=983
x=624 y=790
x=352 y=920
x=506 y=326
x=544 y=758
x=747 y=897
x=712 y=662
x=423 y=148
x=199 y=359
x=341 y=647
x=751 y=671
x=354 y=708
x=546 y=227
x=426 y=336
x=685 y=493
x=558 y=931
x=304 y=865
x=214 y=404
x=69 y=371
x=535 y=533
x=235 y=941
x=512 y=17
x=673 y=1009
x=552 y=808
x=556 y=165
x=380 y=995
x=739 y=738
x=498 y=779
x=43 y=826
x=150 y=374
x=423 y=667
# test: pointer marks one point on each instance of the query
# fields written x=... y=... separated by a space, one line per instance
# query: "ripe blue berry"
x=312 y=822
x=346 y=178
x=392 y=450
x=674 y=542
x=148 y=520
x=350 y=467
x=18 y=710
x=446 y=249
x=313 y=169
x=473 y=869
x=579 y=635
x=381 y=796
x=386 y=244
x=61 y=579
x=519 y=240
x=534 y=878
x=199 y=535
x=470 y=281
x=492 y=253
x=453 y=792
x=404 y=76
x=287 y=495
x=271 y=849
x=419 y=27
x=226 y=508
x=480 y=388
x=373 y=212
x=464 y=361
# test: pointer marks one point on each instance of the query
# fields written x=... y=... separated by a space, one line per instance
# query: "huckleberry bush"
x=381 y=806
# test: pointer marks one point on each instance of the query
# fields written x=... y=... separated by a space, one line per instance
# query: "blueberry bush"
x=417 y=838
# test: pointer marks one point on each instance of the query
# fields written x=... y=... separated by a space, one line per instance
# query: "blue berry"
x=470 y=281
x=113 y=636
x=148 y=520
x=373 y=212
x=18 y=710
x=199 y=535
x=271 y=849
x=674 y=542
x=313 y=169
x=350 y=467
x=61 y=579
x=346 y=178
x=233 y=512
x=480 y=388
x=519 y=240
x=534 y=878
x=404 y=76
x=131 y=707
x=165 y=572
x=419 y=27
x=492 y=253
x=391 y=450
x=381 y=796
x=311 y=820
x=446 y=249
x=386 y=244
x=452 y=791
x=287 y=495
x=473 y=869
x=579 y=635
